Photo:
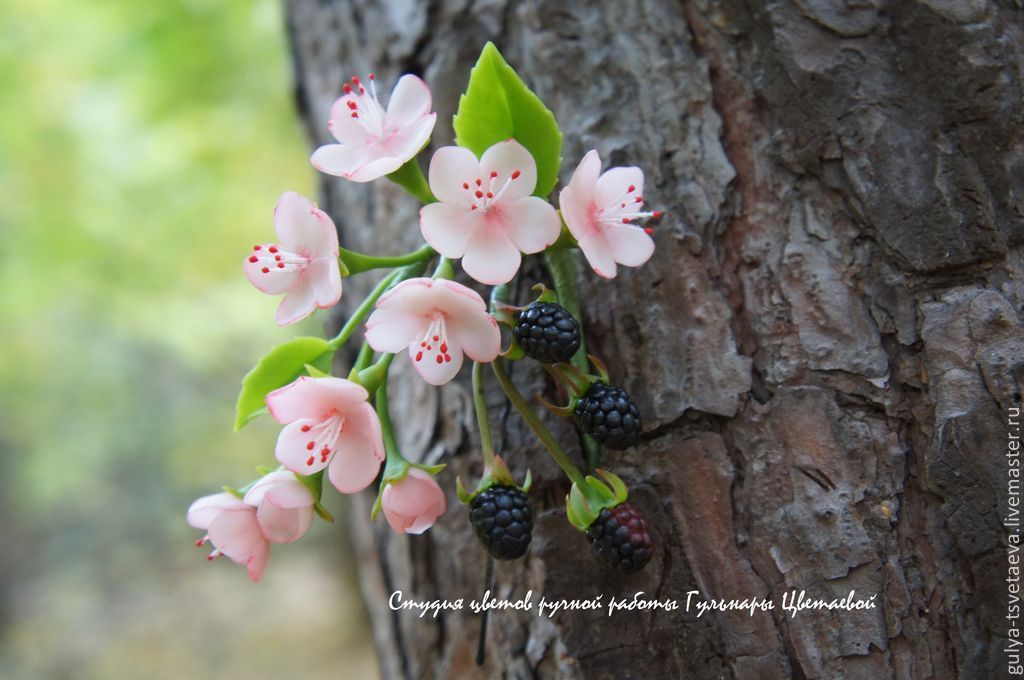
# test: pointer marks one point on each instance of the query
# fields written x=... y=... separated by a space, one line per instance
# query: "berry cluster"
x=503 y=521
x=620 y=536
x=547 y=332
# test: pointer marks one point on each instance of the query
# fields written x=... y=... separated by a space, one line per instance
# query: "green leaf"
x=497 y=106
x=282 y=365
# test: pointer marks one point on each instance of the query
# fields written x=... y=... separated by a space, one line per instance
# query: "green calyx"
x=576 y=383
x=497 y=474
x=585 y=502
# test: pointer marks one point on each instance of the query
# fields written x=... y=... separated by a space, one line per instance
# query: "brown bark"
x=823 y=346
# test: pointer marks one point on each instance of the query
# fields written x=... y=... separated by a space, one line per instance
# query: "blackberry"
x=608 y=415
x=503 y=521
x=547 y=332
x=620 y=536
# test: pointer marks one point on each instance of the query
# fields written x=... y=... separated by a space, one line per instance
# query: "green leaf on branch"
x=497 y=106
x=282 y=365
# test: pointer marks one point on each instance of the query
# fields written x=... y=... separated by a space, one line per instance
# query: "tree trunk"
x=824 y=346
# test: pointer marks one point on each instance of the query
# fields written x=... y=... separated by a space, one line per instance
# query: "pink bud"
x=413 y=503
x=284 y=506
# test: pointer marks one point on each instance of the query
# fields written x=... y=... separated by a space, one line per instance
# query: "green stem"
x=562 y=265
x=514 y=396
x=364 y=309
x=364 y=358
x=394 y=457
x=481 y=415
x=357 y=263
x=410 y=177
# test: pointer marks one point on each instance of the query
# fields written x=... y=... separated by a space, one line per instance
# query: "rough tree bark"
x=824 y=345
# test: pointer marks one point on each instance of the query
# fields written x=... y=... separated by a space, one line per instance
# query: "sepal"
x=584 y=503
x=498 y=474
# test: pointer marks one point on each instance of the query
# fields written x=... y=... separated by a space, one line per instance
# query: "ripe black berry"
x=620 y=537
x=503 y=521
x=608 y=415
x=547 y=332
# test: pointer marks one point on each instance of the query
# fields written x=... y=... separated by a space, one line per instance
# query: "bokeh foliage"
x=142 y=148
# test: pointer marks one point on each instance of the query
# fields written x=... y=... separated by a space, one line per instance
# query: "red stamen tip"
x=266 y=270
x=373 y=77
x=257 y=247
x=306 y=428
x=273 y=249
x=493 y=174
x=355 y=79
x=277 y=258
x=625 y=220
x=419 y=356
x=309 y=461
x=474 y=206
x=347 y=88
x=478 y=182
x=440 y=359
x=465 y=185
x=649 y=230
x=310 y=446
x=253 y=258
x=657 y=214
x=209 y=558
x=355 y=115
x=490 y=195
x=199 y=543
x=479 y=194
x=280 y=265
x=352 y=105
x=515 y=175
x=631 y=189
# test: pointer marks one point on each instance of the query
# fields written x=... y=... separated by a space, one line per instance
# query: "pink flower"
x=486 y=214
x=303 y=266
x=413 y=503
x=233 y=530
x=374 y=141
x=284 y=506
x=599 y=212
x=437 y=320
x=329 y=425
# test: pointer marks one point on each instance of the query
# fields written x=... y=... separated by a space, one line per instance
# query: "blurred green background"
x=142 y=149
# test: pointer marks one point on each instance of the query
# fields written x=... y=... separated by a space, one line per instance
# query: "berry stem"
x=481 y=642
x=410 y=177
x=357 y=263
x=486 y=444
x=542 y=432
x=395 y=460
x=561 y=263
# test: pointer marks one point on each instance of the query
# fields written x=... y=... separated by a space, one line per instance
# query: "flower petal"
x=451 y=167
x=506 y=158
x=584 y=177
x=258 y=562
x=409 y=101
x=630 y=244
x=377 y=167
x=293 y=450
x=391 y=330
x=491 y=257
x=237 y=534
x=428 y=367
x=299 y=303
x=346 y=129
x=304 y=228
x=340 y=159
x=363 y=420
x=355 y=464
x=469 y=324
x=315 y=398
x=274 y=281
x=531 y=223
x=447 y=227
x=616 y=183
x=577 y=199
x=281 y=488
x=413 y=503
x=283 y=525
x=599 y=254
x=204 y=510
x=325 y=280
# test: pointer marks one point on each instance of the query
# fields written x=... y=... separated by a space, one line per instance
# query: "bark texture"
x=824 y=345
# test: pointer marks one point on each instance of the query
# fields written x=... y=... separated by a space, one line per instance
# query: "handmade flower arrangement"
x=484 y=205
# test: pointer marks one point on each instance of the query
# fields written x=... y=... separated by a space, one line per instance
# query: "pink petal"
x=584 y=177
x=410 y=100
x=355 y=464
x=377 y=167
x=237 y=534
x=299 y=303
x=325 y=279
x=506 y=158
x=273 y=281
x=531 y=223
x=258 y=562
x=390 y=330
x=204 y=510
x=469 y=325
x=283 y=525
x=599 y=254
x=346 y=129
x=363 y=421
x=304 y=228
x=616 y=183
x=630 y=244
x=433 y=372
x=340 y=159
x=491 y=257
x=577 y=199
x=447 y=227
x=450 y=168
x=413 y=503
x=293 y=450
x=282 y=489
x=412 y=296
x=314 y=398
